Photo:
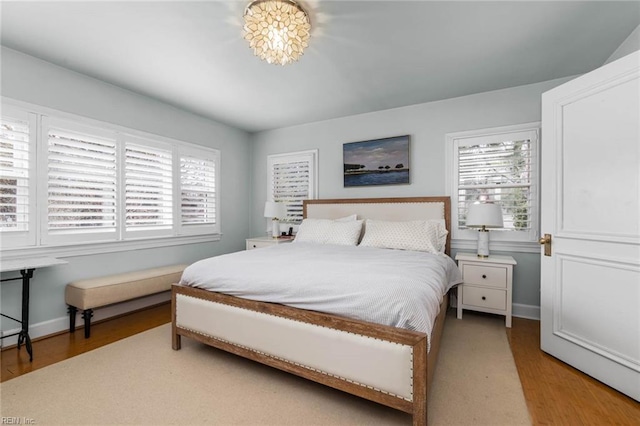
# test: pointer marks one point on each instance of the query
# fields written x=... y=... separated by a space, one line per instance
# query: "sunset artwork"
x=376 y=162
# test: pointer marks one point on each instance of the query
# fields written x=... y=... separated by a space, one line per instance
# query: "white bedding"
x=399 y=288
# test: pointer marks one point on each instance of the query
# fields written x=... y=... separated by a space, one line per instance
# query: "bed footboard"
x=380 y=363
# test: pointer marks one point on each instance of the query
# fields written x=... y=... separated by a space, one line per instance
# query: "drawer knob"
x=484 y=276
x=484 y=298
x=254 y=246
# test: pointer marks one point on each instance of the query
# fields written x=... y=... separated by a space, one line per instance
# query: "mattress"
x=399 y=288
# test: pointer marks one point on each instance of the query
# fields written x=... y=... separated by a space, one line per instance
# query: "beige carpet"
x=141 y=380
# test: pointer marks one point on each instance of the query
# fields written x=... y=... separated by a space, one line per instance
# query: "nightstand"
x=486 y=284
x=260 y=242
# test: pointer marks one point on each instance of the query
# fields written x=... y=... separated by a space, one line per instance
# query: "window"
x=291 y=180
x=497 y=165
x=99 y=183
x=17 y=177
x=81 y=183
x=198 y=195
x=148 y=188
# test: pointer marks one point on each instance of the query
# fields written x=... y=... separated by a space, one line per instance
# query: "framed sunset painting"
x=376 y=162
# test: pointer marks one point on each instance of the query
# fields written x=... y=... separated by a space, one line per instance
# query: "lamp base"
x=275 y=228
x=483 y=243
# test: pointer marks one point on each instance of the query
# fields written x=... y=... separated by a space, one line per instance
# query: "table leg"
x=27 y=274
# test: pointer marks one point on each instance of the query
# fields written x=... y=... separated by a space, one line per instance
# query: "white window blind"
x=72 y=183
x=15 y=178
x=292 y=179
x=501 y=166
x=81 y=183
x=148 y=188
x=500 y=172
x=198 y=201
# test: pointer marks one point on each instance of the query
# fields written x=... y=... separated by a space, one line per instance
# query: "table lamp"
x=483 y=216
x=275 y=211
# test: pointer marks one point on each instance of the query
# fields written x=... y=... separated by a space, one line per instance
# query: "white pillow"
x=417 y=235
x=326 y=231
x=348 y=218
x=438 y=233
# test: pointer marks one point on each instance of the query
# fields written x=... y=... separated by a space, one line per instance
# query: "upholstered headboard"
x=413 y=208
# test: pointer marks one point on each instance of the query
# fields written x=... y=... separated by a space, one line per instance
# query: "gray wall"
x=427 y=124
x=630 y=45
x=31 y=80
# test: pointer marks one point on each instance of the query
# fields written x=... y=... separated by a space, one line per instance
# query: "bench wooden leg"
x=86 y=315
x=72 y=318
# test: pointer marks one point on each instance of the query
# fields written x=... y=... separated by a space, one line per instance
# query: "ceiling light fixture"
x=277 y=30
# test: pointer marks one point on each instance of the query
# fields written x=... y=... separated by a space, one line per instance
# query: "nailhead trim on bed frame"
x=302 y=365
x=306 y=366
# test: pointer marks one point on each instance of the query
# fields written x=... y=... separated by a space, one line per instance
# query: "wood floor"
x=556 y=394
x=65 y=345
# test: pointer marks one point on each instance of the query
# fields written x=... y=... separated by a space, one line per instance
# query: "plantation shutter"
x=502 y=170
x=81 y=184
x=15 y=176
x=148 y=188
x=88 y=185
x=291 y=181
x=198 y=201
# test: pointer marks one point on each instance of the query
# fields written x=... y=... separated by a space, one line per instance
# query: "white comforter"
x=392 y=287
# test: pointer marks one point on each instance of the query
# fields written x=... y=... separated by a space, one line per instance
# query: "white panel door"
x=590 y=290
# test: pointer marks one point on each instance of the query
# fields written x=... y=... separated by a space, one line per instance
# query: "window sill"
x=108 y=247
x=507 y=246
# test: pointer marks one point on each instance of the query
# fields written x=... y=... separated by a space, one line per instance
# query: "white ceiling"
x=363 y=56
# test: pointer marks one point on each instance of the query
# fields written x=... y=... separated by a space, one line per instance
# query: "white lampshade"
x=487 y=215
x=483 y=216
x=275 y=210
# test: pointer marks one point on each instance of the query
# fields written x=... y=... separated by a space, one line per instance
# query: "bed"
x=389 y=364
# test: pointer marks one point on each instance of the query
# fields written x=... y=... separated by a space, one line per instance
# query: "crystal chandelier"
x=277 y=30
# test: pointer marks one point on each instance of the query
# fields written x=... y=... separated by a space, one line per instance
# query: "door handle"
x=546 y=241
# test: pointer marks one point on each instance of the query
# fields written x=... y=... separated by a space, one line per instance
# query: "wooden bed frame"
x=422 y=364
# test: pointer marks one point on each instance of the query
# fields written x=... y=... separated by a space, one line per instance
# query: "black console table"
x=26 y=267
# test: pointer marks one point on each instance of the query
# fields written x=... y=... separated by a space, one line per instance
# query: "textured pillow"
x=348 y=218
x=326 y=231
x=417 y=235
x=438 y=232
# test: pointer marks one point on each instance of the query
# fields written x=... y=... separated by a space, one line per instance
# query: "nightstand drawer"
x=484 y=297
x=261 y=242
x=258 y=244
x=485 y=275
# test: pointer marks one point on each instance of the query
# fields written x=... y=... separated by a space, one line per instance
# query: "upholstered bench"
x=99 y=292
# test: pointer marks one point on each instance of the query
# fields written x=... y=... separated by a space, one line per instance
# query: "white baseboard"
x=526 y=311
x=57 y=325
